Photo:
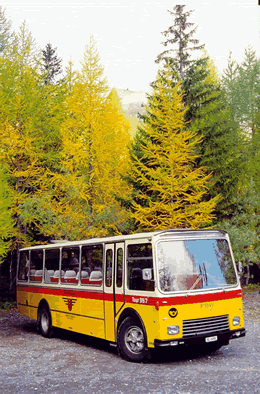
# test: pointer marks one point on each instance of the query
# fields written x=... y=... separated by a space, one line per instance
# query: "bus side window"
x=36 y=267
x=139 y=257
x=119 y=267
x=109 y=257
x=92 y=265
x=52 y=266
x=70 y=264
x=24 y=265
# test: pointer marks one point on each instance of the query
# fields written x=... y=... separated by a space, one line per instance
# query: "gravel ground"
x=74 y=364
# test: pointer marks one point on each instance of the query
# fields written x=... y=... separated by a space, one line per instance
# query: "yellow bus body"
x=100 y=311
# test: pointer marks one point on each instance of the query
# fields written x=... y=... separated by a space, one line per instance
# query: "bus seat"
x=84 y=277
x=95 y=278
x=51 y=273
x=70 y=276
x=55 y=277
x=38 y=275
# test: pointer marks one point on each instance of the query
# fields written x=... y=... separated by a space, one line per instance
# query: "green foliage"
x=7 y=305
x=242 y=222
x=220 y=148
x=6 y=221
x=208 y=115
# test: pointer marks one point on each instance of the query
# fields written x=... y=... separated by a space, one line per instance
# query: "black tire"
x=44 y=322
x=131 y=341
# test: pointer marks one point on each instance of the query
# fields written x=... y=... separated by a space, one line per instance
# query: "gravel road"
x=72 y=363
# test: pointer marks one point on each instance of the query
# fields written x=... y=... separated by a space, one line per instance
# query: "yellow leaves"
x=171 y=189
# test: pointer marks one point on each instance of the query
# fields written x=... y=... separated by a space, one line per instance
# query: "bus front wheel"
x=131 y=341
x=44 y=322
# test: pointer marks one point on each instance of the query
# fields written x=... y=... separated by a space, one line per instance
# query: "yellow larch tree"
x=29 y=141
x=94 y=153
x=167 y=190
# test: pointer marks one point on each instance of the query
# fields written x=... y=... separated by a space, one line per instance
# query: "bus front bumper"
x=222 y=337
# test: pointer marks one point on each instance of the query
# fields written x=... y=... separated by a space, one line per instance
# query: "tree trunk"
x=248 y=273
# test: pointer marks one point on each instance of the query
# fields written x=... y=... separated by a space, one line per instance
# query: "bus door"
x=119 y=298
x=113 y=286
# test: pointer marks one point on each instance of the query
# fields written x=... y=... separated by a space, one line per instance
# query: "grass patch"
x=252 y=288
x=7 y=305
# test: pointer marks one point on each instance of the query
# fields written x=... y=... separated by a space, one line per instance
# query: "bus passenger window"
x=52 y=266
x=92 y=265
x=109 y=258
x=70 y=264
x=139 y=257
x=24 y=265
x=119 y=267
x=36 y=267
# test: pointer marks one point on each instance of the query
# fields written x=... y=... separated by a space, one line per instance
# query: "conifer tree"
x=167 y=189
x=51 y=65
x=28 y=127
x=180 y=34
x=81 y=201
x=5 y=30
x=207 y=111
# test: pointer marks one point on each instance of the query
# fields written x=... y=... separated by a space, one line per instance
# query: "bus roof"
x=121 y=238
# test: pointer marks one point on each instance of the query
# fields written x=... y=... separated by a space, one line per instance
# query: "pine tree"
x=167 y=189
x=81 y=202
x=5 y=30
x=207 y=111
x=221 y=142
x=51 y=65
x=28 y=127
x=183 y=38
x=242 y=93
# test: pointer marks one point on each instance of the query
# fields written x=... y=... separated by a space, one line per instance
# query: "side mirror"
x=147 y=273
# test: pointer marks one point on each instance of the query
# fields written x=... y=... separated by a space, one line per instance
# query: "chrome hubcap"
x=134 y=339
x=45 y=322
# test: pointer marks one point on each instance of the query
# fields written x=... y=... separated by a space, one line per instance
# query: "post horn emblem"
x=173 y=312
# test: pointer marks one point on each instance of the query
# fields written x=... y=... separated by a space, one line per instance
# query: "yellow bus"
x=165 y=288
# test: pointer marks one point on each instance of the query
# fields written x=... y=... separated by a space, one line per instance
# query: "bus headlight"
x=236 y=321
x=173 y=330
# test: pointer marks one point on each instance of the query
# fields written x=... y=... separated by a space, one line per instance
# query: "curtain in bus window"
x=92 y=265
x=70 y=264
x=36 y=267
x=140 y=261
x=24 y=266
x=52 y=266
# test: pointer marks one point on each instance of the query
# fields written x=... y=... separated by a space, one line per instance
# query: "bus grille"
x=208 y=326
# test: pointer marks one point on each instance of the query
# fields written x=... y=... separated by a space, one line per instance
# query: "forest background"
x=72 y=168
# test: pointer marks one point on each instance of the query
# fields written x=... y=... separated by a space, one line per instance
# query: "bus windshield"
x=186 y=265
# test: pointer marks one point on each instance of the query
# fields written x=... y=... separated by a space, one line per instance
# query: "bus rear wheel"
x=131 y=341
x=44 y=322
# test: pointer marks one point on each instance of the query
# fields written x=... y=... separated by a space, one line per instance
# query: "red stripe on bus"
x=135 y=299
x=183 y=300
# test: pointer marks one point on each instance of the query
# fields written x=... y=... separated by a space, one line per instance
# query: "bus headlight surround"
x=236 y=321
x=173 y=330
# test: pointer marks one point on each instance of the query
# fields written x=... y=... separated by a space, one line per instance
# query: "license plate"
x=211 y=339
